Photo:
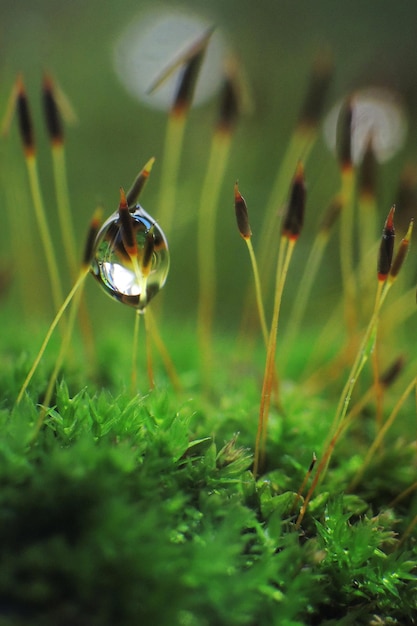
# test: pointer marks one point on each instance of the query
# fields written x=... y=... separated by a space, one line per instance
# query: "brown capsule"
x=406 y=196
x=294 y=218
x=185 y=92
x=367 y=171
x=199 y=45
x=229 y=105
x=312 y=464
x=241 y=212
x=386 y=248
x=320 y=79
x=139 y=183
x=91 y=238
x=24 y=118
x=188 y=80
x=344 y=135
x=401 y=253
x=148 y=250
x=51 y=111
x=126 y=226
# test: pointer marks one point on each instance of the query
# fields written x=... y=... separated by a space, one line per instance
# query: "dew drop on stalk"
x=132 y=283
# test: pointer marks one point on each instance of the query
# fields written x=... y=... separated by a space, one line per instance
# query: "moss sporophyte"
x=260 y=485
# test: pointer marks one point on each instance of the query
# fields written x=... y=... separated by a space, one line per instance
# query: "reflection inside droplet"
x=151 y=42
x=377 y=113
x=113 y=267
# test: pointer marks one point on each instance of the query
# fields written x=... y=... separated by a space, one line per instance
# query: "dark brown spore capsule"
x=138 y=184
x=294 y=218
x=51 y=111
x=91 y=238
x=344 y=135
x=186 y=87
x=367 y=171
x=315 y=98
x=312 y=464
x=242 y=217
x=25 y=120
x=406 y=197
x=148 y=249
x=229 y=105
x=126 y=225
x=401 y=253
x=386 y=248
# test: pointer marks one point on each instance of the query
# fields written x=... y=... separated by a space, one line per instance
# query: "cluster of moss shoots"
x=118 y=509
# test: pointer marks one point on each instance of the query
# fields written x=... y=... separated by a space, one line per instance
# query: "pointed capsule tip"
x=91 y=237
x=123 y=201
x=148 y=167
x=299 y=172
x=408 y=234
x=20 y=85
x=97 y=216
x=390 y=219
x=241 y=212
x=47 y=81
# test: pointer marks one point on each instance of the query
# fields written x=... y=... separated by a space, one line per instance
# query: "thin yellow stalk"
x=299 y=147
x=340 y=422
x=258 y=291
x=367 y=221
x=135 y=342
x=51 y=329
x=166 y=359
x=378 y=391
x=149 y=361
x=68 y=237
x=85 y=268
x=44 y=229
x=341 y=429
x=206 y=242
x=329 y=335
x=22 y=244
x=60 y=359
x=304 y=290
x=243 y=225
x=346 y=246
x=169 y=169
x=270 y=357
x=64 y=211
x=262 y=319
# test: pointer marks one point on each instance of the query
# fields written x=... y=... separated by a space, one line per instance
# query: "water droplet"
x=133 y=282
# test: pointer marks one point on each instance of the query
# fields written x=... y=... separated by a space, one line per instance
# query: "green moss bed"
x=144 y=510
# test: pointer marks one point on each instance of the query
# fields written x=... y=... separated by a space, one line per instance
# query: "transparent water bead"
x=133 y=282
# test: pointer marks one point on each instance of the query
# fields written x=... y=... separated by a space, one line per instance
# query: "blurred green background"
x=372 y=42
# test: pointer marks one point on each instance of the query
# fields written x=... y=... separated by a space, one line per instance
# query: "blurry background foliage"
x=372 y=42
